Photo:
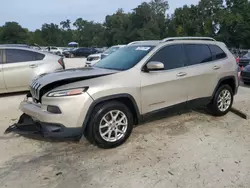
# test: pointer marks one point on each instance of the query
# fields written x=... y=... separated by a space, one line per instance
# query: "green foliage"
x=226 y=20
x=12 y=32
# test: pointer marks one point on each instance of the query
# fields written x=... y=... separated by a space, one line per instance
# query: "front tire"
x=222 y=101
x=110 y=125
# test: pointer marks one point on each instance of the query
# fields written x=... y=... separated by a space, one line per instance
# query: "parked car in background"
x=245 y=75
x=94 y=58
x=54 y=50
x=244 y=60
x=80 y=52
x=18 y=66
x=105 y=101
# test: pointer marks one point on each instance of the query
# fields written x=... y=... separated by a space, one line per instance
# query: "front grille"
x=34 y=90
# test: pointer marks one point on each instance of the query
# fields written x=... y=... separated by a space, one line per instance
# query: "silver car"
x=130 y=86
x=18 y=66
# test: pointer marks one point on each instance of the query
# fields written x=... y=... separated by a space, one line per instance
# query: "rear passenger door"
x=2 y=83
x=202 y=71
x=18 y=68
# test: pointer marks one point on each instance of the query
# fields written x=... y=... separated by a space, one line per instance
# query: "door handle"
x=216 y=67
x=33 y=66
x=181 y=74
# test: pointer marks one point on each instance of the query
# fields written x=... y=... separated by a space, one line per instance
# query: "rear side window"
x=172 y=56
x=38 y=56
x=217 y=52
x=16 y=55
x=197 y=53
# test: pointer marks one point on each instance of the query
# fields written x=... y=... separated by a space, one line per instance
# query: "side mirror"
x=154 y=66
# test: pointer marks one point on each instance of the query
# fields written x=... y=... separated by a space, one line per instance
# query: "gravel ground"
x=189 y=150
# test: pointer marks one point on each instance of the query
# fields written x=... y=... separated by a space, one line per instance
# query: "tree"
x=225 y=20
x=13 y=33
x=65 y=24
x=51 y=34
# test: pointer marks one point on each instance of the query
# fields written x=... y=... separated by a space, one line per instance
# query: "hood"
x=95 y=55
x=49 y=81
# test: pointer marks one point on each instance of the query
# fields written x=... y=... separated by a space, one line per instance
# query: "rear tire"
x=222 y=101
x=111 y=124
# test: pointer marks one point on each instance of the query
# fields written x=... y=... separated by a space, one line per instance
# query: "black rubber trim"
x=111 y=97
x=223 y=79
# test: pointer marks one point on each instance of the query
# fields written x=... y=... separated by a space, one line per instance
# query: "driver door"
x=168 y=87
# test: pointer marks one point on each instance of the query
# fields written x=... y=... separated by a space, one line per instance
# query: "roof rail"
x=141 y=41
x=187 y=38
x=15 y=45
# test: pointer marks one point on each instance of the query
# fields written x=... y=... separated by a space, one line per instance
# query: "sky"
x=32 y=14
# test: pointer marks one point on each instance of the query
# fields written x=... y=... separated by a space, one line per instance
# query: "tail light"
x=61 y=62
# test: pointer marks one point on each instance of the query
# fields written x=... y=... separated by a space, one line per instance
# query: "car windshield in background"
x=247 y=55
x=125 y=58
x=111 y=50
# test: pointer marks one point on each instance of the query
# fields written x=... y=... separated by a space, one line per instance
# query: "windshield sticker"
x=143 y=48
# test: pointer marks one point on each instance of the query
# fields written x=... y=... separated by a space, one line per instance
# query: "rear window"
x=217 y=52
x=198 y=53
x=17 y=55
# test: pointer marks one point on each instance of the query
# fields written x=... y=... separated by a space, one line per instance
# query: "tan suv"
x=105 y=101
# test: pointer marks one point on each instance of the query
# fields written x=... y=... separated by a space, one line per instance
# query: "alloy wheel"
x=113 y=126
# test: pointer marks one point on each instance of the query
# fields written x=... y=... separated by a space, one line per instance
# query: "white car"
x=94 y=58
x=19 y=66
x=54 y=50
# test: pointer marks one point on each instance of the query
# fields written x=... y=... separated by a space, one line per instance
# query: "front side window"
x=16 y=55
x=125 y=58
x=172 y=57
x=217 y=52
x=198 y=53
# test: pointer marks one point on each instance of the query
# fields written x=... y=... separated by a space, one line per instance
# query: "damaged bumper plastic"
x=27 y=126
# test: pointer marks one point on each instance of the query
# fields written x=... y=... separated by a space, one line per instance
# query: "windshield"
x=125 y=58
x=111 y=50
x=247 y=55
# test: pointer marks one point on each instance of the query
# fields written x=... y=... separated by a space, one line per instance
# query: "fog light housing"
x=53 y=109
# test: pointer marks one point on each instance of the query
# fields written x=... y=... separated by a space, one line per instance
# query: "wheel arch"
x=228 y=80
x=124 y=98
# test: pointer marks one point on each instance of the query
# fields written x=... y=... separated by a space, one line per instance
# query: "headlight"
x=68 y=92
x=95 y=58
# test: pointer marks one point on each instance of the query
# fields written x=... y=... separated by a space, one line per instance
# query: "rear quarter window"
x=217 y=52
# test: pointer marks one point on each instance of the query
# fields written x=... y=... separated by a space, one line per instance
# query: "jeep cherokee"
x=105 y=101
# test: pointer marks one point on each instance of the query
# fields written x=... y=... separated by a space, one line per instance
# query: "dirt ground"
x=191 y=150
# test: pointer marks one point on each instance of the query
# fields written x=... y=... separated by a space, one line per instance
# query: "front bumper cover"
x=27 y=126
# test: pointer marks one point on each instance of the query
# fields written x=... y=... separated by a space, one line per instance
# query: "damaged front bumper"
x=26 y=125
